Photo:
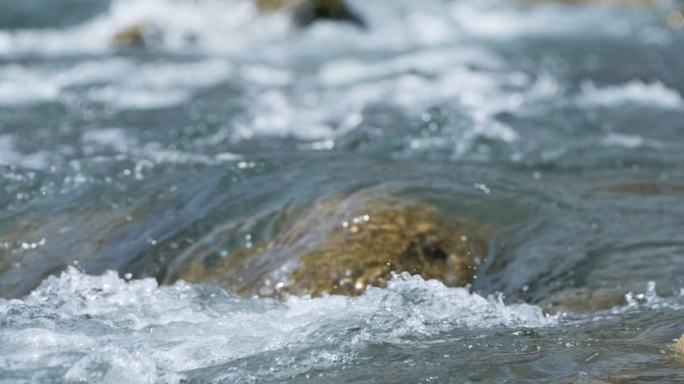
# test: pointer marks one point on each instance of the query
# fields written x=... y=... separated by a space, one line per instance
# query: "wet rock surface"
x=343 y=246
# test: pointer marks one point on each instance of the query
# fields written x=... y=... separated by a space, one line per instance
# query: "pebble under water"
x=556 y=127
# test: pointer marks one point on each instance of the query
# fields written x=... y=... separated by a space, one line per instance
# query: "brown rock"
x=342 y=246
x=139 y=34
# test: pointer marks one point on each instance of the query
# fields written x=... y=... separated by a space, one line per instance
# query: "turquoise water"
x=560 y=128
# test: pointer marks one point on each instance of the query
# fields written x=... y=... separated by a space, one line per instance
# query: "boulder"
x=344 y=245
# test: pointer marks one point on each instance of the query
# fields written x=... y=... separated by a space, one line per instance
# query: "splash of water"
x=104 y=328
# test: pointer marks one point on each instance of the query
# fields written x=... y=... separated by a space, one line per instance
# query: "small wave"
x=20 y=85
x=497 y=21
x=154 y=85
x=653 y=94
x=630 y=141
x=105 y=327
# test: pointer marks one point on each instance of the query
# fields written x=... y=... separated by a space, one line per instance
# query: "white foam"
x=27 y=85
x=653 y=94
x=119 y=83
x=231 y=25
x=138 y=98
x=104 y=327
x=436 y=62
x=412 y=81
x=265 y=75
x=21 y=86
x=160 y=85
x=497 y=21
x=275 y=114
x=214 y=25
x=429 y=61
x=115 y=137
x=160 y=155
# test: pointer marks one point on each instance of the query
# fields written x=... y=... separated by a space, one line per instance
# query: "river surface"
x=561 y=128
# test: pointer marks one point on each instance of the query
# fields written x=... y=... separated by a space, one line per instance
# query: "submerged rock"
x=306 y=12
x=342 y=246
x=580 y=300
x=642 y=189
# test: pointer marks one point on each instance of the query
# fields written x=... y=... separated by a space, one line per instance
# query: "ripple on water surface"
x=558 y=127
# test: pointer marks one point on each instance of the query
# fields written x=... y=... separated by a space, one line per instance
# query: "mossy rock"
x=342 y=246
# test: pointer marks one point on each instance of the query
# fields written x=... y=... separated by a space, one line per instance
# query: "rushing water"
x=558 y=127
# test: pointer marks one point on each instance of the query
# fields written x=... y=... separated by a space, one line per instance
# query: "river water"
x=559 y=127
